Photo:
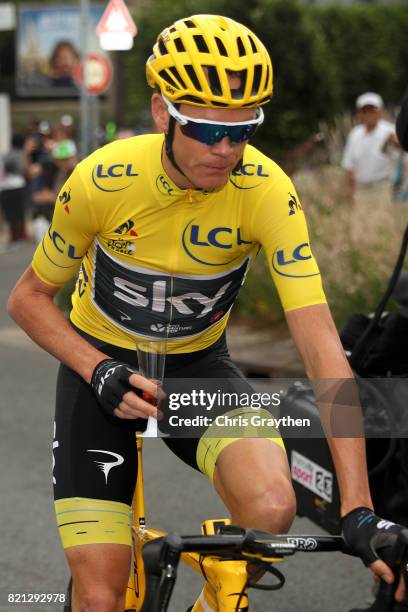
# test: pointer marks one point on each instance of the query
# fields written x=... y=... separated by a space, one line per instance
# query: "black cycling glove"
x=110 y=382
x=364 y=533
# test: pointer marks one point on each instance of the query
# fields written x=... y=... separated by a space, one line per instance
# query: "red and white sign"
x=98 y=73
x=116 y=28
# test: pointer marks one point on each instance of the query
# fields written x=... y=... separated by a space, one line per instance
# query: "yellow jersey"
x=155 y=261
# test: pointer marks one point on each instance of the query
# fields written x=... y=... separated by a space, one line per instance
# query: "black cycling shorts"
x=95 y=454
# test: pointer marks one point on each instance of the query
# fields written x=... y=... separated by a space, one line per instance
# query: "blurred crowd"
x=34 y=170
x=40 y=160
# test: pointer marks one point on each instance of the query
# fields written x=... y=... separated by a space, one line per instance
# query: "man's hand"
x=119 y=390
x=364 y=532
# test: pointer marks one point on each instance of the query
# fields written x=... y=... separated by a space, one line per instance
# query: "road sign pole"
x=119 y=89
x=85 y=107
x=94 y=103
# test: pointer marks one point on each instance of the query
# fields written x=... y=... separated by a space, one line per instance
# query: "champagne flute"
x=151 y=355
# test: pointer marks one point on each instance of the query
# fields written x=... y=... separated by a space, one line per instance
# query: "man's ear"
x=160 y=113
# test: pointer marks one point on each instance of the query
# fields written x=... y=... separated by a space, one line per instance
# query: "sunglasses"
x=211 y=132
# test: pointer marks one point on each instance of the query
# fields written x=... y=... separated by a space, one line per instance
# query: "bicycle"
x=221 y=555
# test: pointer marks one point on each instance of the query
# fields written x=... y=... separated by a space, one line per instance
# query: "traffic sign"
x=116 y=28
x=98 y=73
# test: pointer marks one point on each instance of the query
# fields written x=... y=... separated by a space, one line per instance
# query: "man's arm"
x=31 y=305
x=318 y=343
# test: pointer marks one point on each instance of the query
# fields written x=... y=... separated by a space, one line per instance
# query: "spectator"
x=67 y=125
x=369 y=166
x=13 y=192
x=37 y=149
x=48 y=183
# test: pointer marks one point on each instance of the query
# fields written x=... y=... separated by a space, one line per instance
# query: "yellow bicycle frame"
x=226 y=578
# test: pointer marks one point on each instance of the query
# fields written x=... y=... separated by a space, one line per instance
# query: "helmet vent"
x=221 y=47
x=238 y=92
x=179 y=45
x=253 y=45
x=172 y=29
x=257 y=78
x=241 y=48
x=177 y=76
x=201 y=44
x=162 y=48
x=192 y=99
x=166 y=77
x=191 y=73
x=214 y=80
x=189 y=23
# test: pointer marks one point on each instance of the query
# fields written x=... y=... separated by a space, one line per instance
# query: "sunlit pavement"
x=178 y=498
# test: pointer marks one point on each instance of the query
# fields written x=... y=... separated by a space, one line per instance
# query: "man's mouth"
x=218 y=169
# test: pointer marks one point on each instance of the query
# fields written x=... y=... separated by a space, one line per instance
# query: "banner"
x=48 y=47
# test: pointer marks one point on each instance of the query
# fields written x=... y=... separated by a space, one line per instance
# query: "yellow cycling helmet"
x=194 y=60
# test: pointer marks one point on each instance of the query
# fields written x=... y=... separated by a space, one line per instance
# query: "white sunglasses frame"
x=184 y=119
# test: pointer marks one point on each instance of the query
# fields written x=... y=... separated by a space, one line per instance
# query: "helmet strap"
x=168 y=145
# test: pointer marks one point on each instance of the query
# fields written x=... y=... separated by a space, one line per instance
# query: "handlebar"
x=161 y=557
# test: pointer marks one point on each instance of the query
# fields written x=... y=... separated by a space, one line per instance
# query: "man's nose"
x=224 y=147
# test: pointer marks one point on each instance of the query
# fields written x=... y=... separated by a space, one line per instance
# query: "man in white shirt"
x=369 y=165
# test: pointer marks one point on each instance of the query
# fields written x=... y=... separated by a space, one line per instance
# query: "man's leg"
x=252 y=477
x=95 y=467
x=100 y=574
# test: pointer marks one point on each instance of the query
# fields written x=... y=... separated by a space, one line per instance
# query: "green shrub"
x=305 y=76
x=369 y=44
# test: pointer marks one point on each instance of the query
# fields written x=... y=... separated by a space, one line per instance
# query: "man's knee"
x=272 y=508
x=277 y=506
x=97 y=598
x=253 y=479
x=100 y=575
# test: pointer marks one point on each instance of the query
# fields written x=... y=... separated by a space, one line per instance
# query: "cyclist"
x=163 y=228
